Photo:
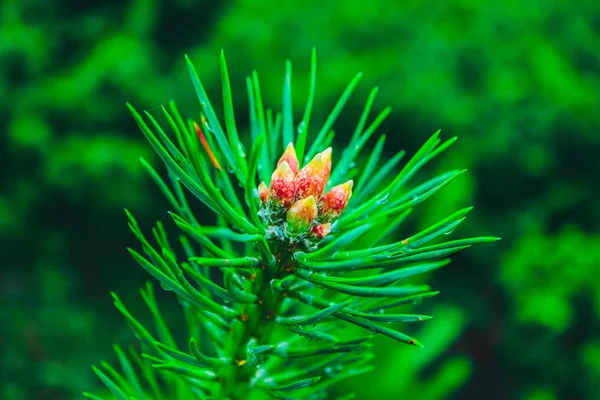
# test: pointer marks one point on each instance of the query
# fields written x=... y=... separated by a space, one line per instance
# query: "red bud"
x=334 y=202
x=321 y=230
x=282 y=186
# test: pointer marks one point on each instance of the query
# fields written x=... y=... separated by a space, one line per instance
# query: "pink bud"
x=263 y=192
x=290 y=157
x=311 y=179
x=301 y=215
x=282 y=186
x=334 y=202
x=321 y=230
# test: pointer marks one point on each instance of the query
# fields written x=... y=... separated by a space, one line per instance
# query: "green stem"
x=256 y=322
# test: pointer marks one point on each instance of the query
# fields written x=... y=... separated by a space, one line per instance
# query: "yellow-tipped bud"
x=334 y=202
x=290 y=157
x=301 y=215
x=263 y=192
x=311 y=179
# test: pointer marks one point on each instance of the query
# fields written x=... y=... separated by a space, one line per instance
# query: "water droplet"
x=380 y=311
x=415 y=198
x=241 y=150
x=352 y=165
x=259 y=374
x=230 y=169
x=321 y=287
x=449 y=232
x=383 y=199
x=301 y=126
x=281 y=349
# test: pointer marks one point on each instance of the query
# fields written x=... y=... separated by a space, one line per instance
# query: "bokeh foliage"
x=517 y=81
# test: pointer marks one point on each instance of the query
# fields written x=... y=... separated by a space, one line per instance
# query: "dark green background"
x=517 y=81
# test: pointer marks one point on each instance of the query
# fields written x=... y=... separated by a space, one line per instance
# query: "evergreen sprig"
x=296 y=266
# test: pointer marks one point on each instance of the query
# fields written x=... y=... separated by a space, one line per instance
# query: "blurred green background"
x=517 y=81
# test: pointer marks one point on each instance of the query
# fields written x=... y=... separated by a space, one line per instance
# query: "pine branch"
x=301 y=254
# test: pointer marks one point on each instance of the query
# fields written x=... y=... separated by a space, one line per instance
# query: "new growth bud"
x=263 y=192
x=290 y=157
x=321 y=230
x=293 y=206
x=311 y=179
x=334 y=202
x=282 y=187
x=301 y=215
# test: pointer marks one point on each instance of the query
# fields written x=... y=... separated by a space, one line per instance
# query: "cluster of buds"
x=294 y=199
